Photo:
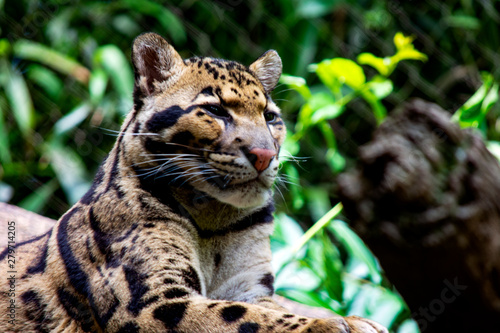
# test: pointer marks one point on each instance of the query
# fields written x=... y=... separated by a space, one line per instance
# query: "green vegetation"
x=66 y=84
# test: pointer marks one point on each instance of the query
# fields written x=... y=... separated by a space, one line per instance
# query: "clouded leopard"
x=173 y=235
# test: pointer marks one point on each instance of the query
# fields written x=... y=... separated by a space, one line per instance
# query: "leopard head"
x=205 y=123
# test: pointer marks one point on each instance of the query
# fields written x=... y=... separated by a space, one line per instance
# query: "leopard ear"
x=268 y=69
x=156 y=64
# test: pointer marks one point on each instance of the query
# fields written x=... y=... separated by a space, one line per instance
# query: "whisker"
x=120 y=133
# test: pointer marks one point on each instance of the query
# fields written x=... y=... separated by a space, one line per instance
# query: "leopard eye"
x=216 y=110
x=270 y=117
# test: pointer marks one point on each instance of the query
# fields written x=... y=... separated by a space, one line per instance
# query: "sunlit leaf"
x=378 y=304
x=494 y=148
x=300 y=296
x=287 y=230
x=318 y=201
x=381 y=87
x=408 y=54
x=382 y=65
x=333 y=267
x=29 y=50
x=409 y=326
x=97 y=85
x=356 y=247
x=335 y=160
x=333 y=72
x=405 y=49
x=70 y=170
x=71 y=120
x=472 y=112
x=489 y=100
x=402 y=42
x=314 y=8
x=114 y=62
x=290 y=147
x=327 y=112
x=6 y=192
x=296 y=83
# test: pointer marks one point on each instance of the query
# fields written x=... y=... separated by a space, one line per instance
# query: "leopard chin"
x=252 y=194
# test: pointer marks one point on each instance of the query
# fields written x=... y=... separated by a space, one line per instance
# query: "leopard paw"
x=362 y=325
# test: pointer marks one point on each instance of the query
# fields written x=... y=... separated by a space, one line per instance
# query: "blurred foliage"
x=66 y=84
x=309 y=266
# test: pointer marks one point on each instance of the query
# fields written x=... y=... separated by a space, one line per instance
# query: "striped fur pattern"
x=173 y=235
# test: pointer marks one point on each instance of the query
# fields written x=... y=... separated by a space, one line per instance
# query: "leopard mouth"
x=225 y=183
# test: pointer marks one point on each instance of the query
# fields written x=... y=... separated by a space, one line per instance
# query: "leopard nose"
x=260 y=158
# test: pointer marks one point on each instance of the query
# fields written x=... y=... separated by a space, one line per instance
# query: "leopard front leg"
x=158 y=287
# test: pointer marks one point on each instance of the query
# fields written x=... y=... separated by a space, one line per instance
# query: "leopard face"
x=206 y=123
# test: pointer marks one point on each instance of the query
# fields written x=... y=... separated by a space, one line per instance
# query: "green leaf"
x=333 y=268
x=169 y=21
x=355 y=247
x=318 y=201
x=290 y=147
x=46 y=79
x=335 y=160
x=408 y=54
x=405 y=49
x=314 y=8
x=379 y=110
x=463 y=21
x=402 y=42
x=327 y=112
x=381 y=87
x=409 y=326
x=19 y=99
x=307 y=298
x=40 y=197
x=70 y=170
x=317 y=227
x=114 y=62
x=5 y=156
x=318 y=101
x=472 y=112
x=296 y=83
x=295 y=189
x=383 y=65
x=97 y=85
x=29 y=50
x=489 y=100
x=337 y=71
x=71 y=120
x=494 y=148
x=287 y=231
x=4 y=46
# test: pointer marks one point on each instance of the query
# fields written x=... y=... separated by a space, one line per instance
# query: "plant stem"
x=320 y=224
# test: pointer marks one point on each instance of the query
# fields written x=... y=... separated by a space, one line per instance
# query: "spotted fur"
x=173 y=235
